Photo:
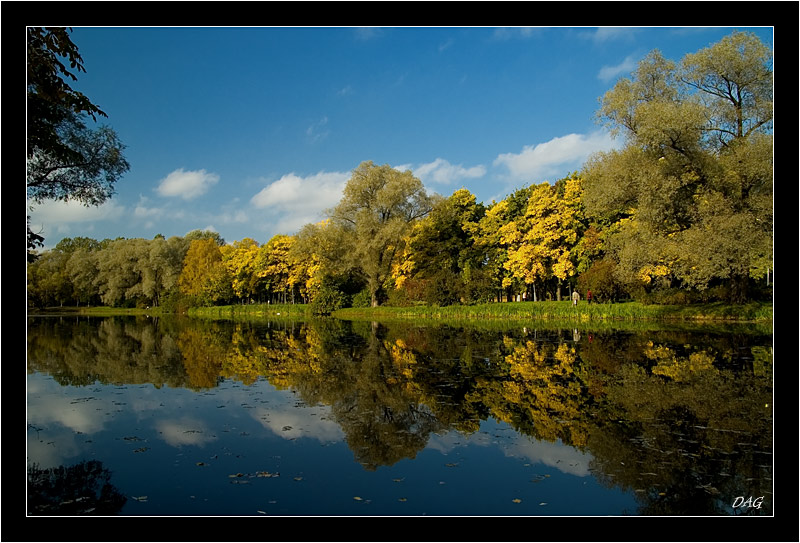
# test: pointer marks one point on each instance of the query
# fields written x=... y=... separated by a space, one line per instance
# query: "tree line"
x=681 y=213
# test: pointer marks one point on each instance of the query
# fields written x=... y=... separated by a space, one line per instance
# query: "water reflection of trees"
x=683 y=420
x=79 y=351
x=82 y=489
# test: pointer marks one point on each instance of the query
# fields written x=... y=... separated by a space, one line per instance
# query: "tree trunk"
x=739 y=288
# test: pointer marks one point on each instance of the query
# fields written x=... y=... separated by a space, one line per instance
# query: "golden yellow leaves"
x=680 y=369
x=650 y=271
x=540 y=242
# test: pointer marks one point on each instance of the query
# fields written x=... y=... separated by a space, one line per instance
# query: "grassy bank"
x=754 y=312
x=629 y=311
x=251 y=311
x=96 y=311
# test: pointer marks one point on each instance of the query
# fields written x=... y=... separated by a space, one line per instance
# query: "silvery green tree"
x=366 y=230
x=689 y=196
x=66 y=159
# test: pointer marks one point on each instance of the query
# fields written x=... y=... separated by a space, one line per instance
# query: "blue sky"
x=253 y=132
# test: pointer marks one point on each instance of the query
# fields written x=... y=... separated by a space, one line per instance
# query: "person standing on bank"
x=575 y=297
x=589 y=296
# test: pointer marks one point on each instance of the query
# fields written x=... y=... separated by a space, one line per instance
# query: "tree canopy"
x=379 y=206
x=66 y=160
x=689 y=197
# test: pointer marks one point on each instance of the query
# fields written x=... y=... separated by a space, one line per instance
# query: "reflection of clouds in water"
x=557 y=455
x=184 y=431
x=60 y=420
x=49 y=449
x=293 y=423
x=78 y=409
x=444 y=443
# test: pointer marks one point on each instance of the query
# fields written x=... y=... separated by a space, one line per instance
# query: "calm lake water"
x=179 y=417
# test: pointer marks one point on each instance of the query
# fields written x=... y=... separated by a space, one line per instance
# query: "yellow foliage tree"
x=541 y=242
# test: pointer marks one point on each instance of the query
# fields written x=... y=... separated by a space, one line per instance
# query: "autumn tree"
x=689 y=196
x=493 y=240
x=275 y=266
x=379 y=206
x=204 y=275
x=542 y=241
x=240 y=260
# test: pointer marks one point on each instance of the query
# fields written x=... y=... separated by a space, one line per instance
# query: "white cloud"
x=307 y=195
x=74 y=212
x=187 y=184
x=318 y=131
x=294 y=201
x=554 y=158
x=507 y=33
x=57 y=217
x=607 y=33
x=234 y=217
x=142 y=211
x=608 y=73
x=441 y=171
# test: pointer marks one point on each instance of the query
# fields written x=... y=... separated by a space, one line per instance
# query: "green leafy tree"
x=689 y=196
x=441 y=251
x=82 y=271
x=48 y=283
x=66 y=160
x=161 y=266
x=379 y=206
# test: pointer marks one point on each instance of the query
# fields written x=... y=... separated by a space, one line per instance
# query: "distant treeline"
x=682 y=213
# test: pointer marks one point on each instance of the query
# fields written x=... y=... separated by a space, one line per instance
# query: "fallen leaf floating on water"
x=517 y=500
x=402 y=499
x=298 y=478
x=357 y=498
